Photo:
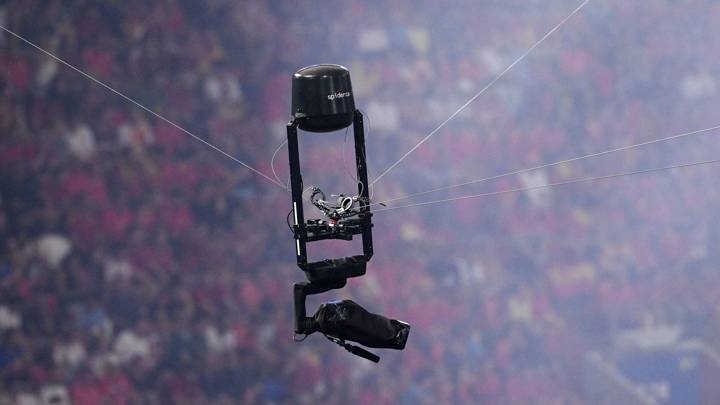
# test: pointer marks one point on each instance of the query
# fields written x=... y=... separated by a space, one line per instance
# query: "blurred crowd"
x=139 y=266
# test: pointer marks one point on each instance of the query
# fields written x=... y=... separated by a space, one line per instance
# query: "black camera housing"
x=346 y=320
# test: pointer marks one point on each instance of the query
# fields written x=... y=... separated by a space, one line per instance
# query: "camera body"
x=347 y=320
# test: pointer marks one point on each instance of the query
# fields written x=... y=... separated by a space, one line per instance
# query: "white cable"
x=551 y=185
x=272 y=164
x=371 y=189
x=137 y=104
x=520 y=171
x=483 y=90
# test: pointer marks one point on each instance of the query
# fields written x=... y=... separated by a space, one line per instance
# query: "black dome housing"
x=322 y=99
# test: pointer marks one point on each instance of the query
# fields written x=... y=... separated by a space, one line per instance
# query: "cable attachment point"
x=344 y=206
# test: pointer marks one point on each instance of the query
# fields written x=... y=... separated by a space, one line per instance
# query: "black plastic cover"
x=347 y=320
x=330 y=270
x=322 y=98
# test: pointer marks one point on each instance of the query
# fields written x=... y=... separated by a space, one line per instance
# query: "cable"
x=345 y=166
x=520 y=171
x=137 y=104
x=287 y=219
x=272 y=165
x=371 y=189
x=551 y=185
x=473 y=98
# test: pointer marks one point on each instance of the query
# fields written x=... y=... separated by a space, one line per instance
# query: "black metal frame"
x=328 y=274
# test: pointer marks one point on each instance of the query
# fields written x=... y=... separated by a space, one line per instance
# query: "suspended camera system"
x=322 y=101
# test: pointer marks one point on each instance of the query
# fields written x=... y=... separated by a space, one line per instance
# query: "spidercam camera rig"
x=322 y=101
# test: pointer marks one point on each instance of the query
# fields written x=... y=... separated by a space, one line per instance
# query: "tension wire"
x=552 y=185
x=483 y=90
x=543 y=166
x=139 y=105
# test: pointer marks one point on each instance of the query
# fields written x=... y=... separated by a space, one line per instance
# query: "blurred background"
x=139 y=266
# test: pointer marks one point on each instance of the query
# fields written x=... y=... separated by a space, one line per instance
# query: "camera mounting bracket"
x=328 y=271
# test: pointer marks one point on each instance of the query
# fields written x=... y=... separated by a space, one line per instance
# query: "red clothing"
x=116 y=222
x=84 y=185
x=19 y=75
x=111 y=389
x=99 y=61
